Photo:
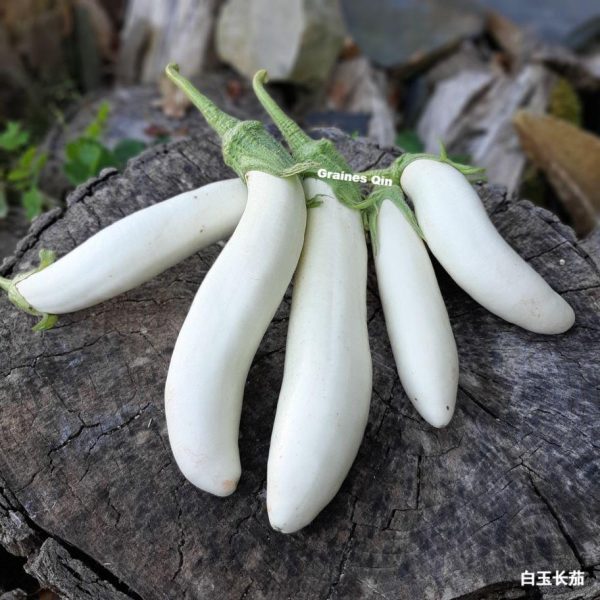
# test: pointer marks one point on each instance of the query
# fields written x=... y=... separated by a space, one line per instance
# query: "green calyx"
x=395 y=170
x=246 y=145
x=47 y=321
x=375 y=199
x=322 y=154
x=396 y=194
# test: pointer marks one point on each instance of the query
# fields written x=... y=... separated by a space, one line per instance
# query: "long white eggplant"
x=464 y=240
x=416 y=318
x=324 y=400
x=136 y=248
x=222 y=331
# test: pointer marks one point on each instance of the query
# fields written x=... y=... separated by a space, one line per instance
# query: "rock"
x=298 y=42
x=592 y=64
x=553 y=21
x=522 y=46
x=514 y=41
x=400 y=33
x=467 y=57
x=418 y=90
x=354 y=124
x=355 y=86
x=451 y=99
x=472 y=114
x=582 y=72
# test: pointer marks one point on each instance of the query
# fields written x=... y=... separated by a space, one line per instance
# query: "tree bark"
x=90 y=494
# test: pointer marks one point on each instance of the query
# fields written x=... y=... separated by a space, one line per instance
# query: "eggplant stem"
x=220 y=121
x=293 y=135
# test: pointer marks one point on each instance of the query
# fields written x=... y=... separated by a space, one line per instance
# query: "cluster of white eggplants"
x=324 y=400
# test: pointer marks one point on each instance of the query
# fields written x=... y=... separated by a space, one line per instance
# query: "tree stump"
x=90 y=494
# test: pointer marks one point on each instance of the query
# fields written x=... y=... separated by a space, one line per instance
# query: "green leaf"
x=27 y=168
x=89 y=153
x=96 y=127
x=72 y=149
x=125 y=150
x=17 y=175
x=13 y=136
x=409 y=141
x=22 y=167
x=38 y=164
x=85 y=158
x=46 y=322
x=3 y=202
x=76 y=172
x=32 y=200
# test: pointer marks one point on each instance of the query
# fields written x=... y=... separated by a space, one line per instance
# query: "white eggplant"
x=136 y=248
x=466 y=243
x=324 y=400
x=222 y=331
x=416 y=318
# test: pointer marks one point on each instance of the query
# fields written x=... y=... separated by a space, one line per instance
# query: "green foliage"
x=125 y=150
x=13 y=137
x=95 y=129
x=23 y=178
x=565 y=103
x=20 y=170
x=21 y=163
x=409 y=141
x=27 y=168
x=87 y=156
x=33 y=201
x=3 y=201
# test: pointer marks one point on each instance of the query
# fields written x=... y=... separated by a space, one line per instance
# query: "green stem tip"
x=322 y=153
x=47 y=321
x=220 y=121
x=247 y=145
x=293 y=134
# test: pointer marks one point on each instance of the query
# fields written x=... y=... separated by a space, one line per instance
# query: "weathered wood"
x=472 y=114
x=157 y=32
x=56 y=568
x=510 y=485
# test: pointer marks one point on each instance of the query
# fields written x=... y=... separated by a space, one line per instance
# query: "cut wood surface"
x=90 y=494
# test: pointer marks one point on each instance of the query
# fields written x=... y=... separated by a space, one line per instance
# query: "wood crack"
x=560 y=525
